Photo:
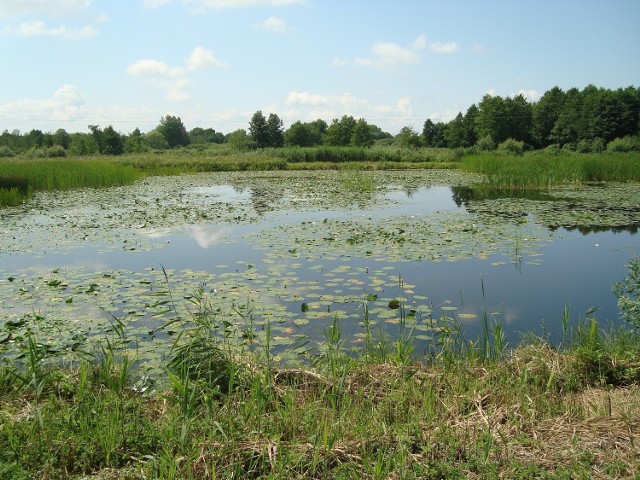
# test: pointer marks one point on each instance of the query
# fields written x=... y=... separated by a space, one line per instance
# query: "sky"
x=214 y=63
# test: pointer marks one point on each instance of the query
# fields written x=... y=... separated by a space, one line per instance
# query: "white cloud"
x=316 y=100
x=439 y=47
x=54 y=8
x=388 y=56
x=158 y=73
x=404 y=106
x=39 y=28
x=273 y=24
x=65 y=105
x=150 y=67
x=201 y=59
x=530 y=95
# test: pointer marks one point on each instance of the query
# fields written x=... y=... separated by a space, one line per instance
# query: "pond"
x=298 y=249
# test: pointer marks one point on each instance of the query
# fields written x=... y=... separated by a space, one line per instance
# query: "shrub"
x=57 y=151
x=486 y=143
x=511 y=146
x=626 y=144
x=5 y=152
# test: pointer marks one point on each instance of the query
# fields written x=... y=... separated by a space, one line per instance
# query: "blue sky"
x=72 y=63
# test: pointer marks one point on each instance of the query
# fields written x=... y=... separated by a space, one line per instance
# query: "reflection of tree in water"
x=464 y=195
x=264 y=198
x=409 y=191
x=587 y=229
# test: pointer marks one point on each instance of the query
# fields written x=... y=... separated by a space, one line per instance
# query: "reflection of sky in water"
x=576 y=270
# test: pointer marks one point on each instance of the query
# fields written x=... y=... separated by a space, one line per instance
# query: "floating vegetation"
x=290 y=251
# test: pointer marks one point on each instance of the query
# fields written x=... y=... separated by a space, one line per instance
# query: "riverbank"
x=464 y=410
x=21 y=177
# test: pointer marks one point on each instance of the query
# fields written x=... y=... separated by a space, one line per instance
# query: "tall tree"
x=275 y=131
x=545 y=114
x=339 y=133
x=174 y=131
x=258 y=130
x=112 y=141
x=361 y=134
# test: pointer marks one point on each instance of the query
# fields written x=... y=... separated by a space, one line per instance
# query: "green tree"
x=567 y=128
x=113 y=144
x=518 y=120
x=258 y=130
x=239 y=140
x=275 y=131
x=205 y=135
x=456 y=133
x=62 y=138
x=98 y=137
x=155 y=140
x=408 y=138
x=83 y=144
x=134 y=143
x=339 y=133
x=361 y=134
x=299 y=135
x=174 y=131
x=434 y=134
x=545 y=114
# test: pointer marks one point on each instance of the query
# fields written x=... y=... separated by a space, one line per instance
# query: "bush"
x=486 y=143
x=511 y=146
x=626 y=144
x=596 y=145
x=57 y=151
x=5 y=152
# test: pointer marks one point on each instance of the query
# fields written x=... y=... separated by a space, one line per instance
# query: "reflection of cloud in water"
x=156 y=232
x=205 y=238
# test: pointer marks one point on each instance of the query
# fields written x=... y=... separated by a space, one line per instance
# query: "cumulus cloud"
x=201 y=59
x=65 y=105
x=531 y=95
x=390 y=56
x=316 y=100
x=160 y=75
x=439 y=47
x=54 y=8
x=39 y=28
x=273 y=24
x=387 y=56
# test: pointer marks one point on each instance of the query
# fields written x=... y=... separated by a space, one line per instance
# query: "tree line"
x=586 y=120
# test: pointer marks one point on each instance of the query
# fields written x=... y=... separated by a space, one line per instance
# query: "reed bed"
x=540 y=170
x=19 y=178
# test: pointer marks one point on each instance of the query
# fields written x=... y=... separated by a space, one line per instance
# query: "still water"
x=297 y=249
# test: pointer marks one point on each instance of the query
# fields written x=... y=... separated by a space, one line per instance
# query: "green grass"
x=468 y=409
x=20 y=178
x=539 y=170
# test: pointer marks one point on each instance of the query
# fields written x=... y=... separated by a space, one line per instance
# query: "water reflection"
x=464 y=195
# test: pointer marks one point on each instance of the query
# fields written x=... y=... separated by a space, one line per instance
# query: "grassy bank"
x=466 y=410
x=539 y=170
x=20 y=178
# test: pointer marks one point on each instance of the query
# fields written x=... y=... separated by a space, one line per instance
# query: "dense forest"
x=589 y=120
